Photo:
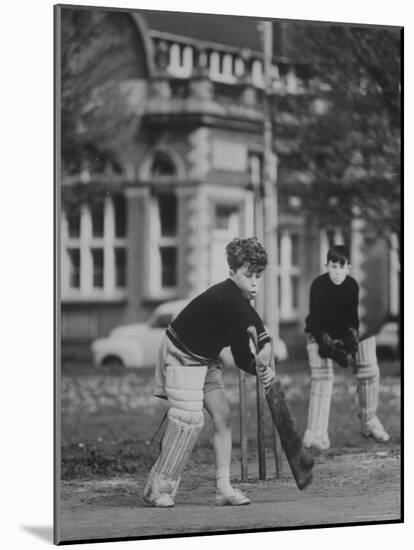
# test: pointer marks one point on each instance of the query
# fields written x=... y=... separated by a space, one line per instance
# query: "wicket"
x=261 y=450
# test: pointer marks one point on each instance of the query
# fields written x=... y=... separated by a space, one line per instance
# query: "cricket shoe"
x=373 y=428
x=232 y=498
x=316 y=442
x=161 y=500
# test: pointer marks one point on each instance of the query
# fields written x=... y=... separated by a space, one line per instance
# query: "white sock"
x=223 y=480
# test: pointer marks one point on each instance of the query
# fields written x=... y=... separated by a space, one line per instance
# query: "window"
x=255 y=171
x=120 y=215
x=168 y=214
x=97 y=216
x=120 y=267
x=164 y=250
x=73 y=219
x=168 y=266
x=94 y=259
x=74 y=267
x=162 y=165
x=97 y=267
x=289 y=271
x=224 y=217
x=226 y=227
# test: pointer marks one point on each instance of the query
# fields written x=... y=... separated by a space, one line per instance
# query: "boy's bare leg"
x=217 y=405
x=367 y=375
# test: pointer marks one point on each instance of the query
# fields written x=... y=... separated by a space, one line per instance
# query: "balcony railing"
x=225 y=64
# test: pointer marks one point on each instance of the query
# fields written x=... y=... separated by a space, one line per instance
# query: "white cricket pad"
x=322 y=379
x=184 y=389
x=368 y=376
x=367 y=352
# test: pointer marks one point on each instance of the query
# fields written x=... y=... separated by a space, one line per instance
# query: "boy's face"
x=337 y=272
x=247 y=280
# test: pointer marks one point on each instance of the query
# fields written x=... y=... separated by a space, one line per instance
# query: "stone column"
x=137 y=242
x=194 y=240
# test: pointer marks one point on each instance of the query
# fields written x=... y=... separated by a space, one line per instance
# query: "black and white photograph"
x=228 y=237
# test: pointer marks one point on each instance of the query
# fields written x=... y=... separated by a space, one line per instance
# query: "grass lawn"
x=108 y=420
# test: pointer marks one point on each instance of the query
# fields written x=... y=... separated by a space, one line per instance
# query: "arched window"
x=162 y=165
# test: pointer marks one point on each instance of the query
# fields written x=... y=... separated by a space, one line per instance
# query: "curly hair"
x=246 y=251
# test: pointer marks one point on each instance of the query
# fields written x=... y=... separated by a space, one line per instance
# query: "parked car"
x=136 y=345
x=387 y=339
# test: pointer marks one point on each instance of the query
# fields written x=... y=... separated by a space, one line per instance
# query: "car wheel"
x=112 y=364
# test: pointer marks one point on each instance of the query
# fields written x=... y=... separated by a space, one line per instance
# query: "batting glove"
x=266 y=375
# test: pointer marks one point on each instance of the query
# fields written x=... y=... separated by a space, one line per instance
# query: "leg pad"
x=367 y=375
x=184 y=388
x=322 y=379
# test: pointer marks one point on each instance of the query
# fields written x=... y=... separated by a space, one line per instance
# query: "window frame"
x=287 y=273
x=157 y=243
x=85 y=243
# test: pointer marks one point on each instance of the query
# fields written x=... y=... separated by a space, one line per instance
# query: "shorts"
x=169 y=354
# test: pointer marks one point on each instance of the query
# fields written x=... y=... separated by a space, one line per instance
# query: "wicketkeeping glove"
x=350 y=340
x=334 y=349
x=325 y=345
x=339 y=354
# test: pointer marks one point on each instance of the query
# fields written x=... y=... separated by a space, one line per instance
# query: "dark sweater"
x=217 y=318
x=332 y=308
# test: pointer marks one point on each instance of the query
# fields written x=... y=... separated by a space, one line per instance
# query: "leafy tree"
x=346 y=136
x=99 y=105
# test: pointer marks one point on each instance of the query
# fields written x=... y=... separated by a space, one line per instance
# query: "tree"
x=100 y=107
x=345 y=133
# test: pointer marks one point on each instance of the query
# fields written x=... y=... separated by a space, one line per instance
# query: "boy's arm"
x=351 y=338
x=315 y=317
x=243 y=356
x=245 y=316
x=353 y=313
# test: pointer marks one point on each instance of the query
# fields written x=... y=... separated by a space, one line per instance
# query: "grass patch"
x=108 y=420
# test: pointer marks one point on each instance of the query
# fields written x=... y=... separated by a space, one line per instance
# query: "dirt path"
x=352 y=488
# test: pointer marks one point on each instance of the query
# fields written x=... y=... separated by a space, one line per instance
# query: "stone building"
x=149 y=222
